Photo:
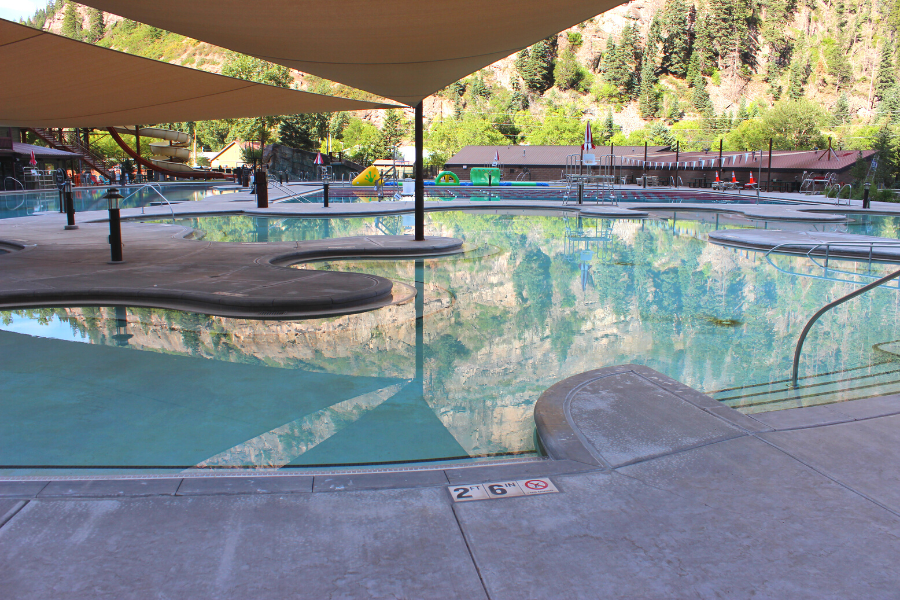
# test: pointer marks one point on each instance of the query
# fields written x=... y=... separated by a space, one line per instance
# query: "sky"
x=13 y=10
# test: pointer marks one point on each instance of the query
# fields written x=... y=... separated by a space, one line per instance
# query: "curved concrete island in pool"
x=836 y=245
x=164 y=269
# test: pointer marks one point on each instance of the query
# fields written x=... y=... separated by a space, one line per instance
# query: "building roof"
x=555 y=156
x=430 y=45
x=74 y=84
x=537 y=155
x=42 y=151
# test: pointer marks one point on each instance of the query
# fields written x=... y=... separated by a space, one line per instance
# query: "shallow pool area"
x=450 y=375
x=23 y=204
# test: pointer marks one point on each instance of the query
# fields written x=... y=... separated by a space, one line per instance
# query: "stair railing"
x=796 y=366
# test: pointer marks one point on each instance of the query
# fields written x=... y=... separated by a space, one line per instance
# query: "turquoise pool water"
x=455 y=377
x=22 y=204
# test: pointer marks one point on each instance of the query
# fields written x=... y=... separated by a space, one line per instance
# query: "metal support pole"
x=70 y=207
x=420 y=180
x=866 y=203
x=115 y=235
x=325 y=193
x=580 y=192
x=769 y=174
x=137 y=142
x=677 y=154
x=262 y=190
x=644 y=165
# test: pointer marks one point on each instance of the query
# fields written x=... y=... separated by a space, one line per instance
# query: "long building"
x=697 y=169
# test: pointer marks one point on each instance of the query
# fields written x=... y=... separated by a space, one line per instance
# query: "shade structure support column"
x=420 y=177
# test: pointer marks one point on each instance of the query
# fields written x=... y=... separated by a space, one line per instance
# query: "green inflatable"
x=485 y=176
x=446 y=178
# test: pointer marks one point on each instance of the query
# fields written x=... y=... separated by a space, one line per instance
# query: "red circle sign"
x=536 y=484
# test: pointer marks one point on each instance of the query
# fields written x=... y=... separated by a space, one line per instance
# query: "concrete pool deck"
x=47 y=266
x=684 y=498
x=663 y=493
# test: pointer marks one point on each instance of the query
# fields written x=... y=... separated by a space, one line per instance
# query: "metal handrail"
x=14 y=179
x=154 y=187
x=849 y=193
x=796 y=366
x=284 y=190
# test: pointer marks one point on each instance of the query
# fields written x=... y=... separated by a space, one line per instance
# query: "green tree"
x=559 y=126
x=449 y=136
x=838 y=65
x=795 y=124
x=304 y=132
x=841 y=110
x=97 y=28
x=887 y=74
x=392 y=132
x=71 y=25
x=676 y=46
x=886 y=147
x=535 y=66
x=568 y=73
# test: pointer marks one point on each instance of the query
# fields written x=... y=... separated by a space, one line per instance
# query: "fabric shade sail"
x=400 y=49
x=53 y=81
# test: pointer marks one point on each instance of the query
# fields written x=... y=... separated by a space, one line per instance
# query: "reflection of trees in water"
x=501 y=328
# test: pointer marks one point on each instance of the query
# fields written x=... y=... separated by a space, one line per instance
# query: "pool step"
x=876 y=379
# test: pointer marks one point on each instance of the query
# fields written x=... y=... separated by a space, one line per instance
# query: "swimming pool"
x=23 y=204
x=454 y=377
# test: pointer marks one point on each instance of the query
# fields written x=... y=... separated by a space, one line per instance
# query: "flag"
x=497 y=157
x=33 y=161
x=588 y=138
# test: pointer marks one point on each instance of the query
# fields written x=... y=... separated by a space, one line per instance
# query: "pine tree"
x=97 y=27
x=676 y=43
x=648 y=102
x=703 y=45
x=702 y=104
x=841 y=110
x=887 y=76
x=568 y=72
x=609 y=127
x=71 y=25
x=742 y=114
x=535 y=66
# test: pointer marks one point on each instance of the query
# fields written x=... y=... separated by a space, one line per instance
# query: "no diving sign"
x=502 y=489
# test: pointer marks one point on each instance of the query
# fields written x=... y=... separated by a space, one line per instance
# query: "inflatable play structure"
x=168 y=158
x=485 y=176
x=446 y=178
x=370 y=176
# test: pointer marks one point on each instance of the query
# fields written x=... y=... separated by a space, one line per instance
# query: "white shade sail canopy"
x=53 y=81
x=400 y=49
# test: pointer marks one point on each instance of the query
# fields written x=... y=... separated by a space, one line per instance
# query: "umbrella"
x=319 y=159
x=588 y=138
x=33 y=161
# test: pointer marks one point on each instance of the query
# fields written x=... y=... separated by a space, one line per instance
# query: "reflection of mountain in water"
x=500 y=329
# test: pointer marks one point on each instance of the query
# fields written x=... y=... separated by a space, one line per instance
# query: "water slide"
x=169 y=158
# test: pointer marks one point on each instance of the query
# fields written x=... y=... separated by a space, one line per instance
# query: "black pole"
x=420 y=179
x=115 y=235
x=866 y=203
x=70 y=208
x=325 y=193
x=677 y=154
x=645 y=165
x=262 y=190
x=769 y=170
